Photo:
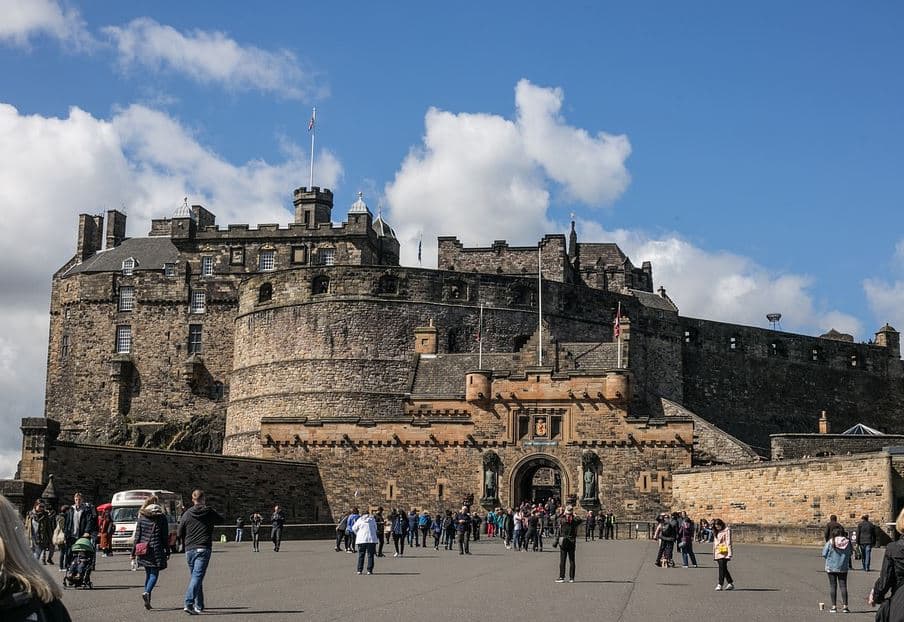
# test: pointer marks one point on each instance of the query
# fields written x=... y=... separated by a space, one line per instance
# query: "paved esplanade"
x=616 y=580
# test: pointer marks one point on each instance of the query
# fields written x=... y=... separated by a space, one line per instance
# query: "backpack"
x=668 y=531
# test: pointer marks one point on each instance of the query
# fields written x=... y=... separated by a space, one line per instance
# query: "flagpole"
x=540 y=306
x=313 y=129
x=618 y=336
x=480 y=340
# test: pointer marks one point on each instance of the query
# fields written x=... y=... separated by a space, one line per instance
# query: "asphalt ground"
x=616 y=580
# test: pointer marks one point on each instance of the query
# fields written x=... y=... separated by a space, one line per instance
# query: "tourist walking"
x=508 y=522
x=833 y=522
x=105 y=530
x=423 y=525
x=196 y=531
x=59 y=536
x=887 y=592
x=277 y=520
x=722 y=552
x=80 y=519
x=365 y=530
x=866 y=538
x=256 y=520
x=463 y=530
x=349 y=536
x=686 y=532
x=39 y=531
x=567 y=534
x=381 y=530
x=837 y=553
x=610 y=526
x=449 y=530
x=27 y=592
x=436 y=527
x=412 y=528
x=399 y=531
x=341 y=526
x=151 y=544
x=239 y=528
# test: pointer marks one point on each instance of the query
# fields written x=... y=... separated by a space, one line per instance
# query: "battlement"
x=500 y=258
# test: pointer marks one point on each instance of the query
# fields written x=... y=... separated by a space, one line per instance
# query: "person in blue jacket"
x=837 y=553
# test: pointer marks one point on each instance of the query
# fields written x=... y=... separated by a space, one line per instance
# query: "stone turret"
x=888 y=337
x=313 y=206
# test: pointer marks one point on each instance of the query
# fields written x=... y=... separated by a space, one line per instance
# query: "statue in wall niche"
x=589 y=462
x=491 y=464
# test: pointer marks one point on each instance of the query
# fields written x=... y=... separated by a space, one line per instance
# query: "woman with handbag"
x=151 y=548
x=722 y=553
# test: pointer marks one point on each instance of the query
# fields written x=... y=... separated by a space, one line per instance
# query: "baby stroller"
x=79 y=572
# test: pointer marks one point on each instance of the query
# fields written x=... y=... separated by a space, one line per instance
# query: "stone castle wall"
x=794 y=446
x=755 y=390
x=792 y=492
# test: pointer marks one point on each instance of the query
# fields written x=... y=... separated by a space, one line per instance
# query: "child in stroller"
x=79 y=573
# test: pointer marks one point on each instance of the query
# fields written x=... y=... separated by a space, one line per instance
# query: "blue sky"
x=752 y=151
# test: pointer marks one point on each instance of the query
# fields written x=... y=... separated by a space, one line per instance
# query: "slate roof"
x=445 y=373
x=149 y=253
x=608 y=252
x=654 y=301
x=588 y=355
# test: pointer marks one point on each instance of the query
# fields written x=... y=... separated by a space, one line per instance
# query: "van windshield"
x=125 y=514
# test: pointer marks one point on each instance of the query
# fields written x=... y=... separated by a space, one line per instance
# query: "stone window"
x=128 y=266
x=815 y=354
x=126 y=298
x=64 y=348
x=690 y=336
x=326 y=257
x=217 y=391
x=523 y=426
x=299 y=254
x=452 y=341
x=455 y=290
x=777 y=348
x=123 y=339
x=855 y=360
x=237 y=256
x=198 y=302
x=265 y=293
x=320 y=284
x=207 y=265
x=66 y=313
x=523 y=296
x=267 y=260
x=388 y=284
x=734 y=343
x=169 y=269
x=392 y=490
x=195 y=338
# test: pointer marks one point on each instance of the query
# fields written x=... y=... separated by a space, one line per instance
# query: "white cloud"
x=52 y=169
x=210 y=57
x=723 y=286
x=886 y=301
x=471 y=166
x=23 y=19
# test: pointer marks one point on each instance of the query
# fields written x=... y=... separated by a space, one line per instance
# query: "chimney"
x=90 y=230
x=425 y=339
x=116 y=228
x=823 y=423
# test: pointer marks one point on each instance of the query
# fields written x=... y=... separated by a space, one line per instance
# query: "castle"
x=417 y=386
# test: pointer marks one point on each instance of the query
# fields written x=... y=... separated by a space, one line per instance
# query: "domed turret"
x=359 y=206
x=184 y=211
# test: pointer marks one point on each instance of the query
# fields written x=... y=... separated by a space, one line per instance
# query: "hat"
x=569 y=509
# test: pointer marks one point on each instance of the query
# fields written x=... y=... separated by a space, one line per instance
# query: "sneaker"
x=190 y=610
x=695 y=565
x=571 y=580
x=147 y=600
x=730 y=586
x=685 y=566
x=718 y=588
x=358 y=572
x=370 y=572
x=833 y=609
x=199 y=610
x=560 y=580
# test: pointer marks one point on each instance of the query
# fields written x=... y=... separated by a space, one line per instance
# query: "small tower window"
x=128 y=266
x=195 y=338
x=267 y=261
x=64 y=348
x=265 y=293
x=207 y=266
x=123 y=339
x=320 y=284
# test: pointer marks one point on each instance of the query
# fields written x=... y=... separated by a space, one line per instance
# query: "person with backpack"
x=423 y=525
x=340 y=531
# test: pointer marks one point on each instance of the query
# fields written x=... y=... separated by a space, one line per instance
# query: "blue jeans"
x=238 y=534
x=688 y=551
x=866 y=550
x=150 y=579
x=368 y=548
x=198 y=559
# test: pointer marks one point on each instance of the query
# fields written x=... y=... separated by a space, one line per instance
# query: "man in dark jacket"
x=833 y=522
x=568 y=539
x=866 y=538
x=463 y=530
x=196 y=531
x=277 y=520
x=80 y=519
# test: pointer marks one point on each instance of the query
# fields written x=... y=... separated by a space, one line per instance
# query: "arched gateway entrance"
x=537 y=478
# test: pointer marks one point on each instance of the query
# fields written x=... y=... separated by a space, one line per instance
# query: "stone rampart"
x=794 y=446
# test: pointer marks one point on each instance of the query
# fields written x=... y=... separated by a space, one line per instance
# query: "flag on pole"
x=419 y=245
x=311 y=122
x=616 y=328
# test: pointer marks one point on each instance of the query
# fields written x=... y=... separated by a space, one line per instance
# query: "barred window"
x=198 y=302
x=126 y=298
x=267 y=261
x=326 y=257
x=207 y=266
x=128 y=266
x=64 y=348
x=195 y=337
x=123 y=339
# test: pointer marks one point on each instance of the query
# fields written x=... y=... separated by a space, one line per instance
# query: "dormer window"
x=128 y=266
x=169 y=269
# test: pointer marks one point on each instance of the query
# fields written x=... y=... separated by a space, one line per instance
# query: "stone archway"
x=536 y=478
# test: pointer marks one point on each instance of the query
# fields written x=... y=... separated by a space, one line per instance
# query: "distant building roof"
x=148 y=253
x=837 y=336
x=607 y=254
x=654 y=301
x=383 y=229
x=862 y=430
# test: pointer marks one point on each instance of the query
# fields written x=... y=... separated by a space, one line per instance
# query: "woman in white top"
x=365 y=532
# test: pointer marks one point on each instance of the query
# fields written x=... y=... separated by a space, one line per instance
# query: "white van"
x=125 y=514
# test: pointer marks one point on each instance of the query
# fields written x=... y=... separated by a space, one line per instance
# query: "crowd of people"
x=76 y=531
